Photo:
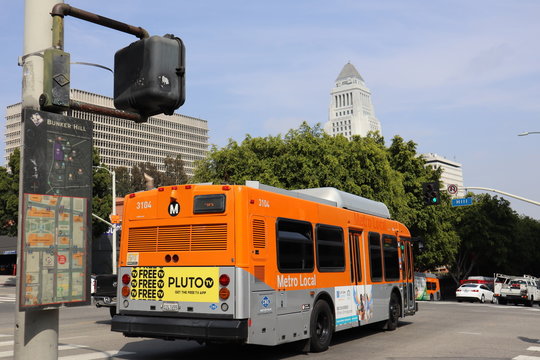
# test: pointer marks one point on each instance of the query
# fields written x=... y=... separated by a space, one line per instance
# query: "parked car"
x=474 y=292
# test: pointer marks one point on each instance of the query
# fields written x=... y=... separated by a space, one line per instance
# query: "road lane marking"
x=533 y=348
x=469 y=333
x=4 y=354
x=4 y=343
x=525 y=357
x=73 y=337
x=97 y=355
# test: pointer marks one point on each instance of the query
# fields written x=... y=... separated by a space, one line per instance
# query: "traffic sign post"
x=462 y=201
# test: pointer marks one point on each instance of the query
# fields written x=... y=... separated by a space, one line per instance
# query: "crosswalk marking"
x=533 y=348
x=90 y=354
x=525 y=357
x=9 y=353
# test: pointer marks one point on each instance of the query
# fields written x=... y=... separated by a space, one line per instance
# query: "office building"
x=125 y=143
x=452 y=174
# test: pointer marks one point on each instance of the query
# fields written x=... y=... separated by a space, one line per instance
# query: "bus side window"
x=294 y=246
x=375 y=258
x=330 y=248
x=391 y=258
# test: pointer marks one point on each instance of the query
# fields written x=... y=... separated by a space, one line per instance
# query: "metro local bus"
x=427 y=286
x=255 y=264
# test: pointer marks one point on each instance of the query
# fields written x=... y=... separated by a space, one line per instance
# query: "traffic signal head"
x=431 y=193
x=149 y=76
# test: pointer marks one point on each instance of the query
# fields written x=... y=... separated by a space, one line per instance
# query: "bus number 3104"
x=144 y=205
x=264 y=203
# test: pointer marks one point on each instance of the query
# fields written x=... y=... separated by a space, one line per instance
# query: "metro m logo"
x=174 y=208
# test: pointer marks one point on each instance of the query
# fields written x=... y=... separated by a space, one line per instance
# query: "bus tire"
x=394 y=310
x=321 y=326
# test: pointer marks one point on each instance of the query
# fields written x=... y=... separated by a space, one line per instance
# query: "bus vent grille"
x=205 y=237
x=174 y=238
x=259 y=273
x=209 y=237
x=259 y=234
x=142 y=239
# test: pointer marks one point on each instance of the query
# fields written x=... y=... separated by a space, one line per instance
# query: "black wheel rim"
x=323 y=327
x=394 y=311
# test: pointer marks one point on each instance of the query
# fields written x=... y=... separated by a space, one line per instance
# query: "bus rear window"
x=209 y=204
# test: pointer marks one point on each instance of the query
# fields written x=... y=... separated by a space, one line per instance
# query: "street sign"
x=462 y=201
x=452 y=189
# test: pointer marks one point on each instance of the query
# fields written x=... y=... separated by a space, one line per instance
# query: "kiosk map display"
x=56 y=226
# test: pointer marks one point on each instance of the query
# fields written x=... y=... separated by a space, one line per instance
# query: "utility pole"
x=36 y=332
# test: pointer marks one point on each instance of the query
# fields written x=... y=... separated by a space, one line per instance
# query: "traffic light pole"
x=36 y=331
x=503 y=193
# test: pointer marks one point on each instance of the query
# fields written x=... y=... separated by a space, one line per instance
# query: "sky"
x=459 y=78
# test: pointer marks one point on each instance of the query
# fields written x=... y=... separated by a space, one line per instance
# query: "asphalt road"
x=440 y=330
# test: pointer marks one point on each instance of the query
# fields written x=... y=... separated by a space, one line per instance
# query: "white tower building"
x=351 y=111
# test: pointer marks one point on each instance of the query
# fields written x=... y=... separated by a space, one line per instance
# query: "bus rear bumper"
x=181 y=328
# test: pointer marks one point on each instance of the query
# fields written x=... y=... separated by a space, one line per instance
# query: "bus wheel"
x=394 y=310
x=321 y=326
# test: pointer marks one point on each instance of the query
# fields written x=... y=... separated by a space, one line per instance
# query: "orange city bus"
x=260 y=265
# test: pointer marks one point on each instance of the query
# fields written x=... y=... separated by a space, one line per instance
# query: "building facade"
x=452 y=173
x=351 y=111
x=125 y=143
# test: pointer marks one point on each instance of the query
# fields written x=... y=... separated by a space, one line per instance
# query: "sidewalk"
x=7 y=280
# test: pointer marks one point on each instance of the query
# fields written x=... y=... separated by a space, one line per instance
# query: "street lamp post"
x=113 y=174
x=528 y=133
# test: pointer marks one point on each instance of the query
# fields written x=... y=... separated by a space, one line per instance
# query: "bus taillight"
x=224 y=293
x=125 y=291
x=224 y=280
x=126 y=279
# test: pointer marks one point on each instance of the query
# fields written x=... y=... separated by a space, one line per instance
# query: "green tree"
x=101 y=195
x=524 y=248
x=486 y=229
x=138 y=179
x=9 y=196
x=123 y=181
x=174 y=171
x=307 y=157
x=432 y=225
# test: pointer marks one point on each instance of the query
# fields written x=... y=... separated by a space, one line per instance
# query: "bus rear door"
x=408 y=277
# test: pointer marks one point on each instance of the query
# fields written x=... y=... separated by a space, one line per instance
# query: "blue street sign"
x=462 y=201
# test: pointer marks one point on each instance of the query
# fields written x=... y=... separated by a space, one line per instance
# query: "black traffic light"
x=149 y=76
x=431 y=193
